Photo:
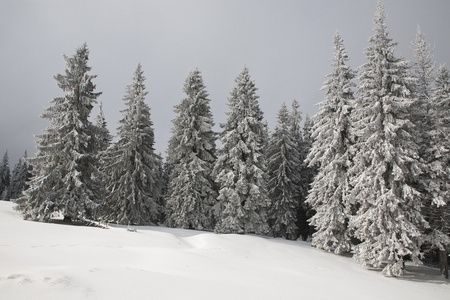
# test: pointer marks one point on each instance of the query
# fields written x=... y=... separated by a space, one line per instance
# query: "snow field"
x=52 y=261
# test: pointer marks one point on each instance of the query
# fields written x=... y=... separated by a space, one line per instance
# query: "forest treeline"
x=369 y=174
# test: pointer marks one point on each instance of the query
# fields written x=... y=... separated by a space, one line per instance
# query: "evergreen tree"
x=103 y=135
x=192 y=193
x=423 y=70
x=20 y=177
x=241 y=165
x=5 y=178
x=65 y=168
x=307 y=173
x=133 y=169
x=386 y=160
x=437 y=185
x=330 y=152
x=430 y=128
x=283 y=172
x=295 y=132
x=301 y=184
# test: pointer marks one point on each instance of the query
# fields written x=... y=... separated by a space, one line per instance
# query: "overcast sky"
x=286 y=45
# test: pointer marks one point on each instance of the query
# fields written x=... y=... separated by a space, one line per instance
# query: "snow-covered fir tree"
x=302 y=184
x=103 y=135
x=423 y=70
x=296 y=135
x=329 y=191
x=307 y=174
x=20 y=177
x=5 y=178
x=65 y=168
x=308 y=171
x=437 y=185
x=191 y=188
x=241 y=167
x=388 y=220
x=428 y=114
x=131 y=165
x=283 y=161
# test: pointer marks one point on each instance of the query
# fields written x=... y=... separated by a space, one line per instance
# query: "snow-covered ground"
x=52 y=261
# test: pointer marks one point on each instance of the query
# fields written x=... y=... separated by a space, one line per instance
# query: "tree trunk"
x=443 y=264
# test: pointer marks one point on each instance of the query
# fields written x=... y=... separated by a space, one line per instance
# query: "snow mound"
x=55 y=261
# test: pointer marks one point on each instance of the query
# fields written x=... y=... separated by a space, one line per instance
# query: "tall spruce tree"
x=65 y=168
x=424 y=71
x=428 y=115
x=133 y=169
x=437 y=184
x=284 y=177
x=104 y=137
x=5 y=178
x=295 y=132
x=330 y=152
x=241 y=165
x=20 y=177
x=302 y=184
x=308 y=171
x=191 y=189
x=388 y=220
x=307 y=174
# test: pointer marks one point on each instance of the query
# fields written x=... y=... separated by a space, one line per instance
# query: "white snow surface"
x=55 y=261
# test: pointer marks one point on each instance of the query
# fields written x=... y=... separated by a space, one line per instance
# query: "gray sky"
x=286 y=45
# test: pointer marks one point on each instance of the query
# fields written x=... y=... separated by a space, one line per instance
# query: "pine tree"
x=133 y=169
x=191 y=190
x=388 y=220
x=437 y=185
x=423 y=70
x=5 y=178
x=307 y=174
x=330 y=152
x=20 y=177
x=301 y=184
x=65 y=168
x=308 y=171
x=241 y=165
x=427 y=120
x=103 y=135
x=283 y=172
x=295 y=132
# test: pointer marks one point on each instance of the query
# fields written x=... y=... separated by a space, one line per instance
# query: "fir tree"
x=133 y=169
x=191 y=190
x=423 y=70
x=241 y=165
x=307 y=174
x=388 y=220
x=65 y=168
x=301 y=183
x=308 y=171
x=5 y=178
x=283 y=172
x=103 y=135
x=330 y=152
x=20 y=177
x=295 y=132
x=427 y=116
x=437 y=185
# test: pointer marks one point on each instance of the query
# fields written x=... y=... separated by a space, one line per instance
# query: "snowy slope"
x=51 y=261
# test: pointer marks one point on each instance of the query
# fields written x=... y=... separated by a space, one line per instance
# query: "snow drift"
x=52 y=261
